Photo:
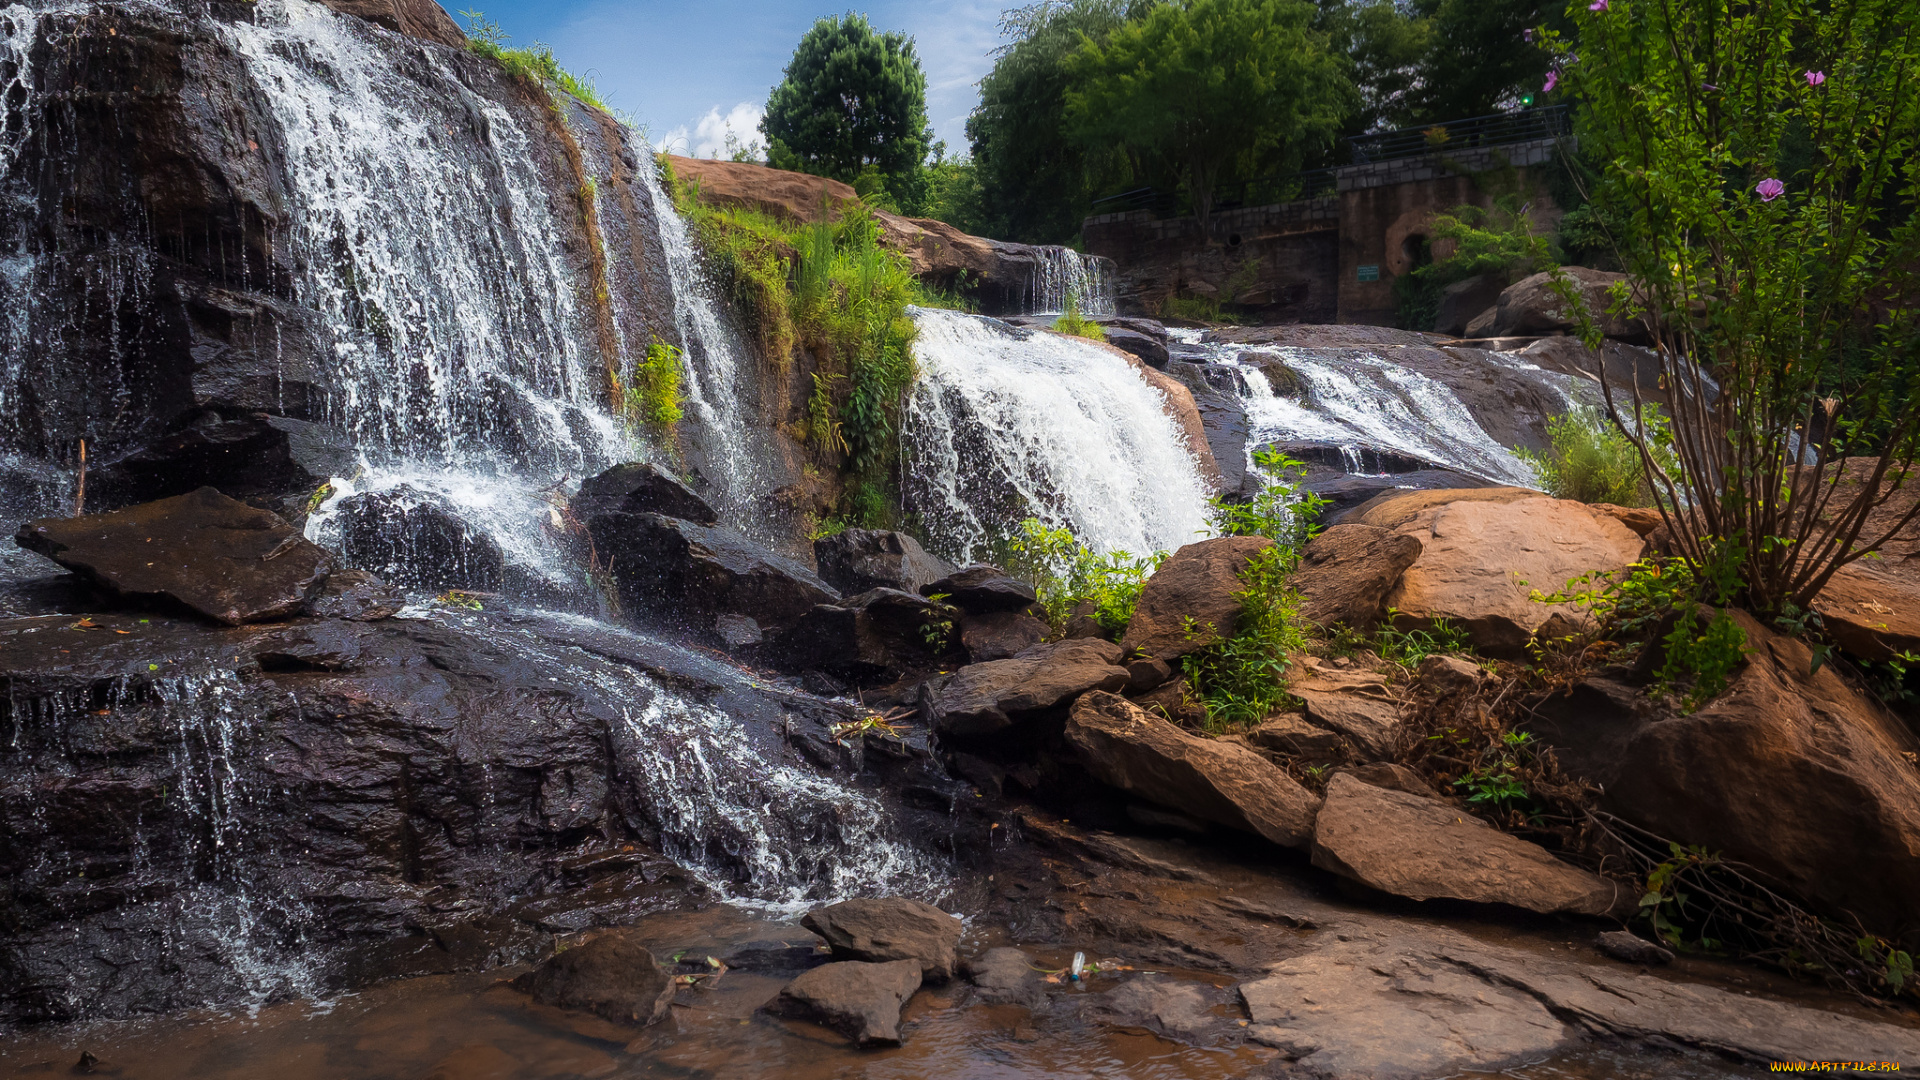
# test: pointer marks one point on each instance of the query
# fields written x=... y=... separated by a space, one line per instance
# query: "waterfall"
x=1061 y=274
x=1007 y=423
x=458 y=358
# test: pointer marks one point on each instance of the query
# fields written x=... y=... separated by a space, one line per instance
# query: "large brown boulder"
x=984 y=698
x=1424 y=849
x=861 y=1001
x=1531 y=307
x=1346 y=572
x=612 y=976
x=884 y=929
x=1000 y=635
x=1222 y=782
x=218 y=556
x=1189 y=603
x=1480 y=562
x=1791 y=771
x=1872 y=606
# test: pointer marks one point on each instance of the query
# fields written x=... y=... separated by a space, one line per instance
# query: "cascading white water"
x=458 y=357
x=1063 y=276
x=1007 y=423
x=713 y=357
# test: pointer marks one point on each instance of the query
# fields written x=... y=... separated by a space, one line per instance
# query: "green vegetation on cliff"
x=829 y=291
x=533 y=63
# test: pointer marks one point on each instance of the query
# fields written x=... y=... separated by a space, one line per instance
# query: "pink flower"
x=1553 y=80
x=1814 y=78
x=1527 y=34
x=1769 y=189
x=1597 y=5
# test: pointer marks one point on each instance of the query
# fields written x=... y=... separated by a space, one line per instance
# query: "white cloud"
x=708 y=136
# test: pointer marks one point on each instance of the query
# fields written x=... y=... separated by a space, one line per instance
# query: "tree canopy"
x=852 y=101
x=1209 y=84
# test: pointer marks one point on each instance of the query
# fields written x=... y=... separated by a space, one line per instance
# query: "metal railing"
x=1500 y=129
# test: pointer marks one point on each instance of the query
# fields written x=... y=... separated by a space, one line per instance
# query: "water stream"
x=1008 y=423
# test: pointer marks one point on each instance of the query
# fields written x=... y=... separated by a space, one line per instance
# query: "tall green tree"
x=1210 y=85
x=1036 y=183
x=1478 y=60
x=852 y=102
x=1388 y=44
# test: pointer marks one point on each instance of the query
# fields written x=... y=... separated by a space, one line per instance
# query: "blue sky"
x=687 y=70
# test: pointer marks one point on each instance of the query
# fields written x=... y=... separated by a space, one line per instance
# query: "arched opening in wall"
x=1417 y=251
x=1233 y=240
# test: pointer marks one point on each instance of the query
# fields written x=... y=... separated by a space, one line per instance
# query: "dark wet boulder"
x=1181 y=1010
x=1461 y=301
x=1214 y=780
x=883 y=929
x=1189 y=602
x=641 y=488
x=861 y=1001
x=416 y=540
x=1347 y=571
x=855 y=560
x=1150 y=348
x=246 y=455
x=981 y=699
x=1425 y=849
x=979 y=589
x=218 y=556
x=612 y=976
x=1000 y=635
x=877 y=636
x=356 y=596
x=677 y=570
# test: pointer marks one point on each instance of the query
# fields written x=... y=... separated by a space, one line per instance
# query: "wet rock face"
x=194 y=814
x=417 y=540
x=641 y=488
x=689 y=574
x=222 y=558
x=245 y=455
x=977 y=590
x=856 y=560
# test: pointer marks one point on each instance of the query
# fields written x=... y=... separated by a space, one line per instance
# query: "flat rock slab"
x=1424 y=849
x=1189 y=601
x=1412 y=1001
x=885 y=929
x=984 y=698
x=1175 y=1009
x=219 y=556
x=1222 y=782
x=1371 y=724
x=1004 y=976
x=861 y=1001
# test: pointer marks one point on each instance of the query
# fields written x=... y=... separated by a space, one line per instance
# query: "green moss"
x=1072 y=323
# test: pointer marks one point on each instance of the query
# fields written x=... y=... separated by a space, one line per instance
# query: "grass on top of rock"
x=832 y=288
x=1074 y=324
x=533 y=63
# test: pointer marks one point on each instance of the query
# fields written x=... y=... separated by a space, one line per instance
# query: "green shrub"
x=1283 y=512
x=1067 y=574
x=1073 y=324
x=1591 y=460
x=1408 y=647
x=1243 y=679
x=1192 y=309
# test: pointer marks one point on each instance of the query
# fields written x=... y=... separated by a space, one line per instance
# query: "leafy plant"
x=1067 y=574
x=1203 y=309
x=1283 y=511
x=1497 y=787
x=1760 y=187
x=1592 y=460
x=1664 y=904
x=1243 y=679
x=653 y=397
x=459 y=598
x=1410 y=646
x=1073 y=324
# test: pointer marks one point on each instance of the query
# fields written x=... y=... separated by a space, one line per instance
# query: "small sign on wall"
x=1370 y=272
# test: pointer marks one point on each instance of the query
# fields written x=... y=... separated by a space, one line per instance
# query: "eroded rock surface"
x=1346 y=572
x=678 y=570
x=1189 y=601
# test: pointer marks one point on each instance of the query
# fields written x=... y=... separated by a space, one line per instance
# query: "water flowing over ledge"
x=1008 y=423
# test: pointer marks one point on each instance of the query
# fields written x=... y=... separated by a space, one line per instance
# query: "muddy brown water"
x=474 y=1027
